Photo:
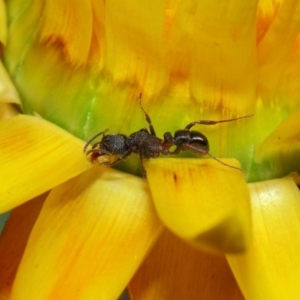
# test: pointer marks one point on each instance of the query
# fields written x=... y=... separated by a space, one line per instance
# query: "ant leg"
x=230 y=166
x=124 y=156
x=210 y=122
x=203 y=152
x=176 y=151
x=147 y=117
x=144 y=172
x=141 y=156
x=96 y=153
x=93 y=150
x=93 y=138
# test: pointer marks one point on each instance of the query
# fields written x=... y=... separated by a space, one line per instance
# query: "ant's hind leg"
x=205 y=152
x=176 y=151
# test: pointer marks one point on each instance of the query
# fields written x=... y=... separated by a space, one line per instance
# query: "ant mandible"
x=147 y=145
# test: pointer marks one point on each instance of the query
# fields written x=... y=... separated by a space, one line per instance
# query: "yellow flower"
x=89 y=231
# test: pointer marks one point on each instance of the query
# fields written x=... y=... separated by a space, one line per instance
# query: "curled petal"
x=280 y=149
x=270 y=269
x=174 y=270
x=13 y=241
x=35 y=156
x=202 y=201
x=91 y=236
x=7 y=111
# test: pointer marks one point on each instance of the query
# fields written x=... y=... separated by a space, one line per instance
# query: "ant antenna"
x=93 y=138
x=223 y=162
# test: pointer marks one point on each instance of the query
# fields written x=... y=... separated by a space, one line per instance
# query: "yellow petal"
x=130 y=57
x=3 y=24
x=14 y=239
x=276 y=48
x=270 y=269
x=91 y=236
x=179 y=23
x=35 y=156
x=281 y=149
x=202 y=201
x=221 y=45
x=174 y=270
x=8 y=93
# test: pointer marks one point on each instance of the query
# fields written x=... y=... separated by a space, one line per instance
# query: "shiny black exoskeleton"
x=147 y=145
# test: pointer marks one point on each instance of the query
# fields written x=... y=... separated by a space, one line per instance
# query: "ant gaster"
x=147 y=145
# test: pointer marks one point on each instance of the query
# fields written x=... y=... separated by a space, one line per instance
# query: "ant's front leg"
x=124 y=156
x=100 y=152
x=211 y=122
x=95 y=154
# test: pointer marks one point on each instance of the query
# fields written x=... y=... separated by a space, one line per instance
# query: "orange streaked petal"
x=13 y=241
x=91 y=236
x=174 y=270
x=35 y=156
x=179 y=22
x=64 y=31
x=202 y=201
x=270 y=269
x=266 y=12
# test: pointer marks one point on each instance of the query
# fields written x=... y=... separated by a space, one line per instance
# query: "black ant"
x=147 y=145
